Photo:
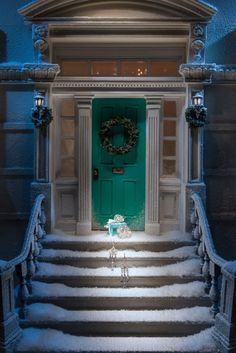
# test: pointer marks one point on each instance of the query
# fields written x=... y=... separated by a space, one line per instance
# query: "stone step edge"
x=115 y=351
x=106 y=243
x=27 y=322
x=121 y=329
x=129 y=259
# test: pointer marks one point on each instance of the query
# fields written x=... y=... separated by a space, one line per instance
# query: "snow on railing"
x=220 y=279
x=18 y=273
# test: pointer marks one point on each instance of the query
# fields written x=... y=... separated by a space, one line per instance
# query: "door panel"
x=112 y=192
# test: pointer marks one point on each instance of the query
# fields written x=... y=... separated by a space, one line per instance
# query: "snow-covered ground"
x=56 y=341
x=192 y=289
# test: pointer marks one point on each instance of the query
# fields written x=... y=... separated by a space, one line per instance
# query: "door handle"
x=95 y=173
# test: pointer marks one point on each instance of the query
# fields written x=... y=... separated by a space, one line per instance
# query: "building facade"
x=94 y=62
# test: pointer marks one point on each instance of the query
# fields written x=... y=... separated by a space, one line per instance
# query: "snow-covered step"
x=128 y=303
x=180 y=252
x=54 y=341
x=120 y=322
x=99 y=242
x=170 y=297
x=188 y=267
x=123 y=328
x=48 y=312
x=99 y=246
x=76 y=293
x=115 y=281
x=101 y=258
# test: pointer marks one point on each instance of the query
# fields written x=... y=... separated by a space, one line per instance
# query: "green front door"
x=119 y=180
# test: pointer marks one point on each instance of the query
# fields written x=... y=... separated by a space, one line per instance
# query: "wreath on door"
x=105 y=135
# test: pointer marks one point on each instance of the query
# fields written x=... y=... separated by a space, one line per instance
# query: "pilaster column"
x=42 y=182
x=152 y=223
x=84 y=165
x=42 y=155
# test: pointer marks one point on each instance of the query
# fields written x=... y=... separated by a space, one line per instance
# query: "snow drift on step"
x=183 y=268
x=56 y=341
x=181 y=252
x=50 y=312
x=192 y=289
x=136 y=237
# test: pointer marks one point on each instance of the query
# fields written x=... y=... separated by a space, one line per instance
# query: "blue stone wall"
x=221 y=44
x=15 y=37
x=16 y=129
x=220 y=134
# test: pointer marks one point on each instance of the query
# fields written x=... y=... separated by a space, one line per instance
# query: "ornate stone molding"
x=191 y=9
x=40 y=40
x=29 y=72
x=207 y=73
x=104 y=84
x=197 y=72
x=197 y=42
x=225 y=73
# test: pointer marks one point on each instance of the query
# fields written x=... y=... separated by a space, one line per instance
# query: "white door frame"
x=152 y=198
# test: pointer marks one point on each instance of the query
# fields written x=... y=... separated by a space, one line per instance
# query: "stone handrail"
x=220 y=279
x=199 y=218
x=18 y=273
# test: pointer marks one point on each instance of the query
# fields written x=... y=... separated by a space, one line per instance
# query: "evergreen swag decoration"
x=105 y=134
x=41 y=117
x=196 y=115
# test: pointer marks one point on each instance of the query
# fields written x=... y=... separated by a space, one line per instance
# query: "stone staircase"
x=78 y=303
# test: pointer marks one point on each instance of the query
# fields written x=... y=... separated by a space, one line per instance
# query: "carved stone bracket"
x=29 y=72
x=40 y=40
x=225 y=73
x=197 y=72
x=207 y=73
x=197 y=43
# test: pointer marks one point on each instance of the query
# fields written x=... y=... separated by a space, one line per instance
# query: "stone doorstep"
x=97 y=246
x=128 y=303
x=91 y=262
x=112 y=282
x=125 y=329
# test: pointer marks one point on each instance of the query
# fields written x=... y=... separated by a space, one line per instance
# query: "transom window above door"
x=126 y=67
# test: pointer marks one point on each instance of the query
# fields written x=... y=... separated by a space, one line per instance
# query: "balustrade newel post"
x=23 y=291
x=206 y=272
x=36 y=249
x=214 y=290
x=42 y=220
x=200 y=252
x=225 y=325
x=10 y=331
x=31 y=268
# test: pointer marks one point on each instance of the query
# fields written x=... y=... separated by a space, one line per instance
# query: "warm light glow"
x=198 y=98
x=39 y=99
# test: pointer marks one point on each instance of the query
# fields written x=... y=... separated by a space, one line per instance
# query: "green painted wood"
x=119 y=193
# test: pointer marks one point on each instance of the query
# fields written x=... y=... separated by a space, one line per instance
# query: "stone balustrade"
x=16 y=277
x=220 y=279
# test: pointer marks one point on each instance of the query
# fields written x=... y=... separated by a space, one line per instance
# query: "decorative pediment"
x=49 y=10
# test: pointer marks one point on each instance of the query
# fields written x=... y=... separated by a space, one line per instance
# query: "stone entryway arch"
x=61 y=27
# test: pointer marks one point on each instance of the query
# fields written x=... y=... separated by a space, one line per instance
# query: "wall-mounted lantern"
x=196 y=114
x=39 y=98
x=41 y=115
